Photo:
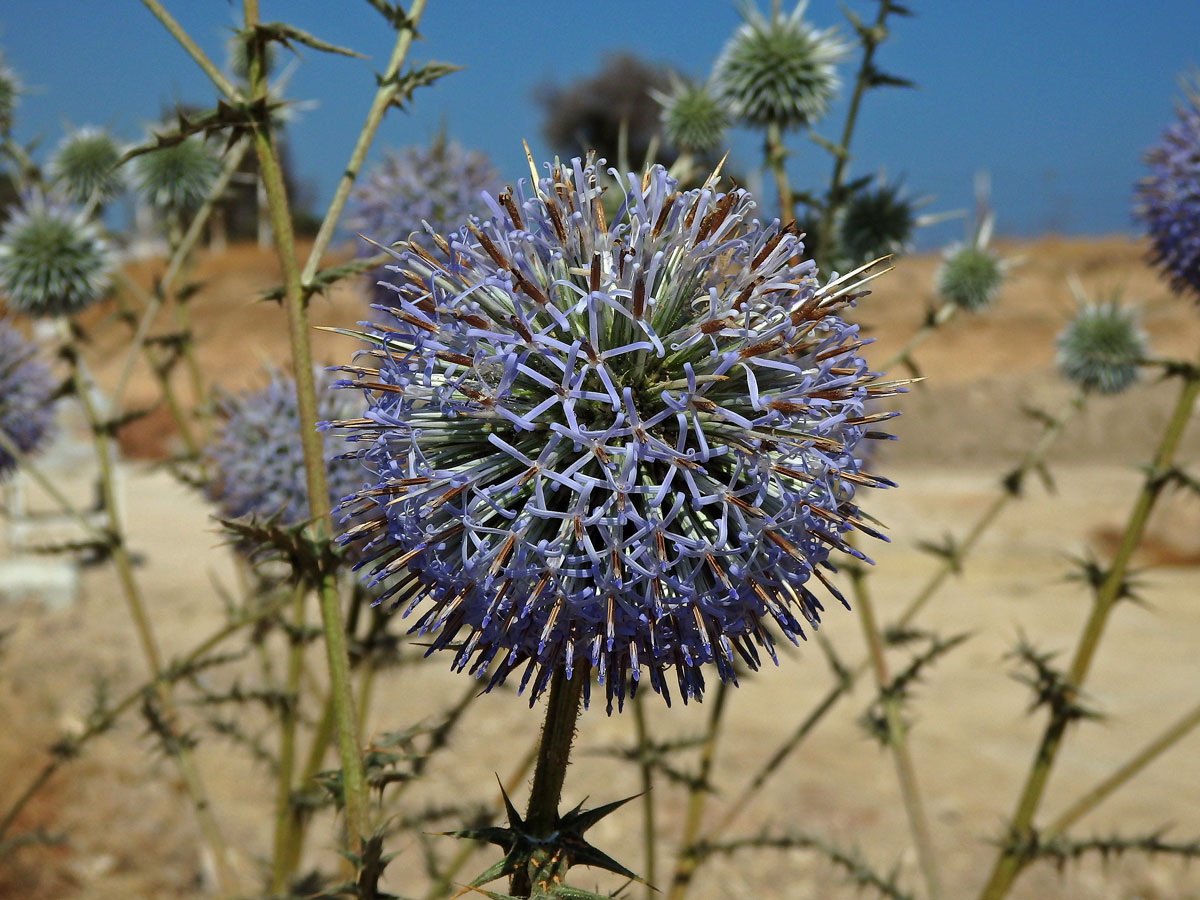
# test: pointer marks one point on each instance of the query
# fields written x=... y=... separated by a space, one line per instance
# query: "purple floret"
x=620 y=449
x=27 y=389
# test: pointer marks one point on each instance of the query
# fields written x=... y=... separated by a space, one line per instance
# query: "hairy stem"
x=897 y=739
x=1009 y=861
x=649 y=844
x=775 y=155
x=289 y=716
x=223 y=84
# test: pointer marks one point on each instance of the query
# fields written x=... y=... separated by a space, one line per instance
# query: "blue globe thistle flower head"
x=416 y=187
x=54 y=261
x=619 y=448
x=27 y=389
x=778 y=70
x=257 y=461
x=1167 y=201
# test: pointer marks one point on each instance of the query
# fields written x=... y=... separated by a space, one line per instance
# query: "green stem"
x=834 y=199
x=280 y=872
x=554 y=754
x=940 y=317
x=649 y=843
x=224 y=85
x=23 y=462
x=689 y=859
x=1009 y=861
x=897 y=738
x=1098 y=794
x=379 y=104
x=776 y=157
x=353 y=778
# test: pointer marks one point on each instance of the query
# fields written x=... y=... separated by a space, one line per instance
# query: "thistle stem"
x=1098 y=794
x=223 y=84
x=1010 y=861
x=897 y=738
x=197 y=792
x=554 y=754
x=689 y=859
x=379 y=104
x=649 y=844
x=775 y=155
x=289 y=716
x=353 y=778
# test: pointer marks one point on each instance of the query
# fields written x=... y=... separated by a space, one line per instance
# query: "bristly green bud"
x=179 y=176
x=85 y=166
x=969 y=277
x=53 y=261
x=694 y=119
x=10 y=93
x=778 y=71
x=1100 y=348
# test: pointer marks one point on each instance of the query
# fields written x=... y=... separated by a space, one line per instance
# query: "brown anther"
x=506 y=200
x=787 y=407
x=447 y=496
x=714 y=219
x=381 y=387
x=598 y=211
x=744 y=506
x=456 y=358
x=442 y=244
x=760 y=349
x=502 y=554
x=490 y=248
x=556 y=221
x=745 y=294
x=767 y=249
x=837 y=351
x=712 y=326
x=639 y=296
x=662 y=215
x=519 y=327
x=594 y=274
x=703 y=404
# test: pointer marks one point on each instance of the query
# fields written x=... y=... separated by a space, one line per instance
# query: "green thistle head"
x=85 y=165
x=1100 y=348
x=971 y=274
x=693 y=117
x=178 y=176
x=877 y=222
x=53 y=262
x=778 y=71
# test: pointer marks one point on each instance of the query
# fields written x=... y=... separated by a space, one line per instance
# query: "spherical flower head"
x=877 y=221
x=85 y=166
x=26 y=397
x=178 y=176
x=257 y=460
x=693 y=118
x=778 y=71
x=969 y=277
x=619 y=447
x=1101 y=348
x=440 y=185
x=53 y=261
x=1168 y=199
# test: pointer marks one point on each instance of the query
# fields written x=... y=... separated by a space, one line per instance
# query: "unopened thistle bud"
x=969 y=277
x=1101 y=348
x=694 y=119
x=778 y=71
x=178 y=176
x=53 y=261
x=621 y=447
x=85 y=166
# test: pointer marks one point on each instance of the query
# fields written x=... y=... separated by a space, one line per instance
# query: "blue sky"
x=1056 y=100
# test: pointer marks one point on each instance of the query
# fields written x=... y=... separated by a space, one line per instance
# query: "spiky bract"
x=439 y=185
x=693 y=118
x=877 y=221
x=1168 y=198
x=53 y=261
x=611 y=447
x=26 y=391
x=969 y=276
x=178 y=176
x=85 y=166
x=1101 y=348
x=778 y=70
x=257 y=459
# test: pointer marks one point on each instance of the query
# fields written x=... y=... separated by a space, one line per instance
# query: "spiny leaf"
x=407 y=82
x=394 y=13
x=1049 y=685
x=285 y=34
x=876 y=78
x=327 y=277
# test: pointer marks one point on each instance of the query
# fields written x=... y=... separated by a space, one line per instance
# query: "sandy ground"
x=129 y=833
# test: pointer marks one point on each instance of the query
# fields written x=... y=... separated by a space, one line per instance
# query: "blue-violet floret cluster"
x=621 y=449
x=27 y=389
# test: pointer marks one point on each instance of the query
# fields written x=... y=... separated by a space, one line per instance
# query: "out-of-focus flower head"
x=257 y=460
x=693 y=118
x=177 y=176
x=27 y=389
x=10 y=94
x=53 y=260
x=1102 y=347
x=85 y=166
x=418 y=188
x=971 y=274
x=778 y=70
x=621 y=448
x=1167 y=201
